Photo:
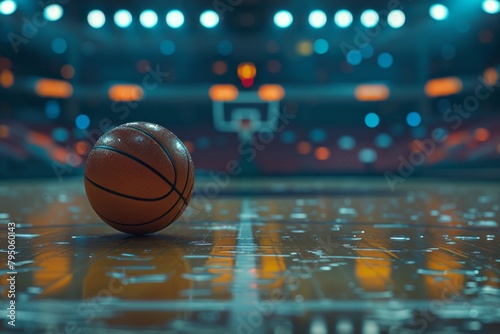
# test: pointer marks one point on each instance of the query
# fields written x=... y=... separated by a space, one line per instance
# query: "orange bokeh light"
x=247 y=71
x=482 y=134
x=81 y=148
x=375 y=92
x=39 y=139
x=303 y=147
x=125 y=93
x=53 y=88
x=4 y=131
x=322 y=153
x=271 y=92
x=443 y=86
x=223 y=92
x=6 y=78
x=491 y=76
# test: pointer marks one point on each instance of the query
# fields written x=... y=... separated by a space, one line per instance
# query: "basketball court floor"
x=274 y=256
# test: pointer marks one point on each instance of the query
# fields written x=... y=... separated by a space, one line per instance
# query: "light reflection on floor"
x=282 y=256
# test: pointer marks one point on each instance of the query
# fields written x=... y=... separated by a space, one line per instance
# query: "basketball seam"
x=159 y=144
x=128 y=196
x=109 y=148
x=148 y=222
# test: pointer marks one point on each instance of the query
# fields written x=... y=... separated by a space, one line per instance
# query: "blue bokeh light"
x=354 y=57
x=167 y=47
x=288 y=137
x=52 y=109
x=385 y=60
x=317 y=135
x=372 y=120
x=59 y=45
x=321 y=46
x=82 y=122
x=414 y=119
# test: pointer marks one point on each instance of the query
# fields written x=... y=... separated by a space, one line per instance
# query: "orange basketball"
x=139 y=178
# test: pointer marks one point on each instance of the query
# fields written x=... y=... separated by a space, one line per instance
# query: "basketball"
x=139 y=178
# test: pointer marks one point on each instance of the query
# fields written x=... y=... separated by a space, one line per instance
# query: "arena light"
x=223 y=93
x=96 y=18
x=209 y=19
x=271 y=93
x=283 y=19
x=369 y=18
x=343 y=18
x=53 y=88
x=123 y=18
x=443 y=86
x=491 y=6
x=8 y=7
x=317 y=19
x=396 y=18
x=372 y=92
x=6 y=78
x=175 y=19
x=438 y=12
x=125 y=93
x=148 y=18
x=53 y=12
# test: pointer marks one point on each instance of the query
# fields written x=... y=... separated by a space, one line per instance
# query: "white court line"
x=245 y=295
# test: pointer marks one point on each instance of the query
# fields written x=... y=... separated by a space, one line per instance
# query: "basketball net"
x=246 y=130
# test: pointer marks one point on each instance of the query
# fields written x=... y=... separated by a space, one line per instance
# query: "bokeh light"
x=321 y=46
x=383 y=140
x=167 y=47
x=52 y=109
x=219 y=67
x=82 y=122
x=288 y=137
x=385 y=60
x=96 y=18
x=304 y=48
x=148 y=18
x=53 y=12
x=283 y=19
x=317 y=135
x=174 y=19
x=482 y=134
x=367 y=156
x=317 y=19
x=372 y=120
x=438 y=12
x=303 y=147
x=354 y=57
x=343 y=18
x=8 y=7
x=67 y=71
x=491 y=6
x=396 y=18
x=322 y=153
x=346 y=143
x=369 y=18
x=413 y=119
x=209 y=19
x=123 y=18
x=59 y=45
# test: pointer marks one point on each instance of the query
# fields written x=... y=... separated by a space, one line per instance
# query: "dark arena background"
x=347 y=162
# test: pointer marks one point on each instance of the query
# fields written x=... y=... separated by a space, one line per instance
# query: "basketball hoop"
x=245 y=130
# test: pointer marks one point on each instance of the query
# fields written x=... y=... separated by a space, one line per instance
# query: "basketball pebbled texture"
x=139 y=178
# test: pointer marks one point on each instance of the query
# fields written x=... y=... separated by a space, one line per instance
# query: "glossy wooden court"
x=261 y=256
